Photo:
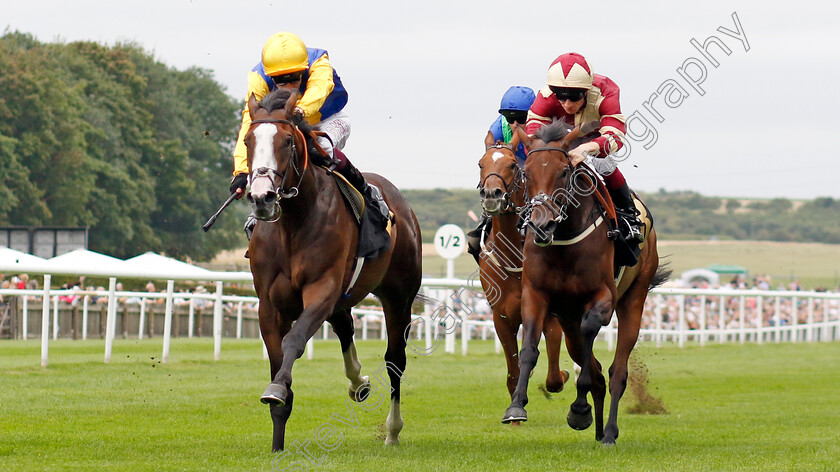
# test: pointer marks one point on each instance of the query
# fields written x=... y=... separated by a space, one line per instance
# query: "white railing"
x=675 y=315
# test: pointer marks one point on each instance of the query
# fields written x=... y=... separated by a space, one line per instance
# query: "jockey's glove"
x=239 y=181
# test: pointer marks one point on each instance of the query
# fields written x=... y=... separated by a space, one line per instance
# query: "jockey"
x=287 y=62
x=513 y=109
x=576 y=95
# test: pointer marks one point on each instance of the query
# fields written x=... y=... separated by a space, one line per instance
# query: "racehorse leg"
x=342 y=324
x=506 y=331
x=273 y=330
x=534 y=310
x=629 y=310
x=318 y=302
x=397 y=317
x=555 y=378
x=590 y=379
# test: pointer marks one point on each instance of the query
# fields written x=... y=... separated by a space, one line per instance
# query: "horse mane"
x=276 y=100
x=555 y=131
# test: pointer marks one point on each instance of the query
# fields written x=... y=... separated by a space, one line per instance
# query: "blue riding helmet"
x=517 y=98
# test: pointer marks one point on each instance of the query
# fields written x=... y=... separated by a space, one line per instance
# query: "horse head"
x=500 y=178
x=276 y=146
x=549 y=179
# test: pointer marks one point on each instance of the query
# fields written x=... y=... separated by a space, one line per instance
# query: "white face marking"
x=497 y=155
x=264 y=146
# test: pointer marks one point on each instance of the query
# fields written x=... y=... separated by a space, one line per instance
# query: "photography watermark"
x=673 y=92
x=329 y=436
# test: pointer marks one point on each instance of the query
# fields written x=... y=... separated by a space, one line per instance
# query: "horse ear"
x=514 y=142
x=523 y=137
x=590 y=127
x=489 y=140
x=252 y=105
x=291 y=103
x=573 y=134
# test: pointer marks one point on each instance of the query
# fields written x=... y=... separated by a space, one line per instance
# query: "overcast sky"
x=425 y=78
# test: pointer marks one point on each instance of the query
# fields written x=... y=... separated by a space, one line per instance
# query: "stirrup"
x=250 y=222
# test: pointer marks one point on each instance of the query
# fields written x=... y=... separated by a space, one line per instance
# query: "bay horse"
x=574 y=278
x=302 y=254
x=502 y=194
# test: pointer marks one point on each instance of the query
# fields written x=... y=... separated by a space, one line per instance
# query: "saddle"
x=371 y=214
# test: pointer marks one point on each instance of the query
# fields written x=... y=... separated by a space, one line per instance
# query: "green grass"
x=731 y=408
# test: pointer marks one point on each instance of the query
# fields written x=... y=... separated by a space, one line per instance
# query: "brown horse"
x=573 y=277
x=302 y=255
x=502 y=194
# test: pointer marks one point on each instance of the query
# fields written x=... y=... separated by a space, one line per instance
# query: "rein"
x=266 y=172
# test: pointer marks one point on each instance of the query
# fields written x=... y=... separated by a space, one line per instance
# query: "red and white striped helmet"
x=570 y=70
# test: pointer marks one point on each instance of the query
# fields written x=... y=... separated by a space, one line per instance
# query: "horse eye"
x=513 y=166
x=289 y=141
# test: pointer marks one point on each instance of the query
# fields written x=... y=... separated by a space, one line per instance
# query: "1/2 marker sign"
x=449 y=241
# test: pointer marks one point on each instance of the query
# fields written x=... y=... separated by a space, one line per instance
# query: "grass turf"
x=731 y=408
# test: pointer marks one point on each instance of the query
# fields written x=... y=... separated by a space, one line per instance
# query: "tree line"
x=109 y=138
x=677 y=215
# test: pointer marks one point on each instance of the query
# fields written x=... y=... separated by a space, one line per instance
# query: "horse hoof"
x=274 y=394
x=392 y=441
x=580 y=421
x=514 y=413
x=608 y=441
x=362 y=392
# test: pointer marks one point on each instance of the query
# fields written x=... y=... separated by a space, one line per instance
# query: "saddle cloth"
x=372 y=215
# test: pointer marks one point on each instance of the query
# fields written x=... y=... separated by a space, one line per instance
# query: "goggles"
x=563 y=93
x=515 y=115
x=287 y=78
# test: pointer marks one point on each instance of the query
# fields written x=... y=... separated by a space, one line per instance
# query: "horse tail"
x=663 y=273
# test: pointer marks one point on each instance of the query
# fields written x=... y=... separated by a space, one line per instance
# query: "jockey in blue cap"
x=514 y=109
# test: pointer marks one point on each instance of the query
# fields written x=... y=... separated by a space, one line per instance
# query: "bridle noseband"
x=269 y=173
x=510 y=188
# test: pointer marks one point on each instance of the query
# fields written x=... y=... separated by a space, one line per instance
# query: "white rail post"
x=466 y=329
x=111 y=322
x=191 y=320
x=25 y=328
x=55 y=318
x=142 y=324
x=239 y=320
x=809 y=334
x=167 y=321
x=45 y=322
x=85 y=304
x=681 y=321
x=217 y=323
x=759 y=308
x=703 y=320
x=742 y=319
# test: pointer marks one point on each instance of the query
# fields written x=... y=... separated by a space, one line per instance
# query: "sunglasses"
x=573 y=94
x=515 y=115
x=287 y=78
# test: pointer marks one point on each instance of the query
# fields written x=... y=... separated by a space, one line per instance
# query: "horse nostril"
x=498 y=194
x=482 y=193
x=270 y=197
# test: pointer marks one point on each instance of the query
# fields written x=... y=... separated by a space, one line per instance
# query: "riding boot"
x=475 y=236
x=371 y=194
x=629 y=215
x=250 y=222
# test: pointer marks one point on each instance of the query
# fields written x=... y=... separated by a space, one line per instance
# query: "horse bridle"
x=543 y=199
x=515 y=185
x=266 y=172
